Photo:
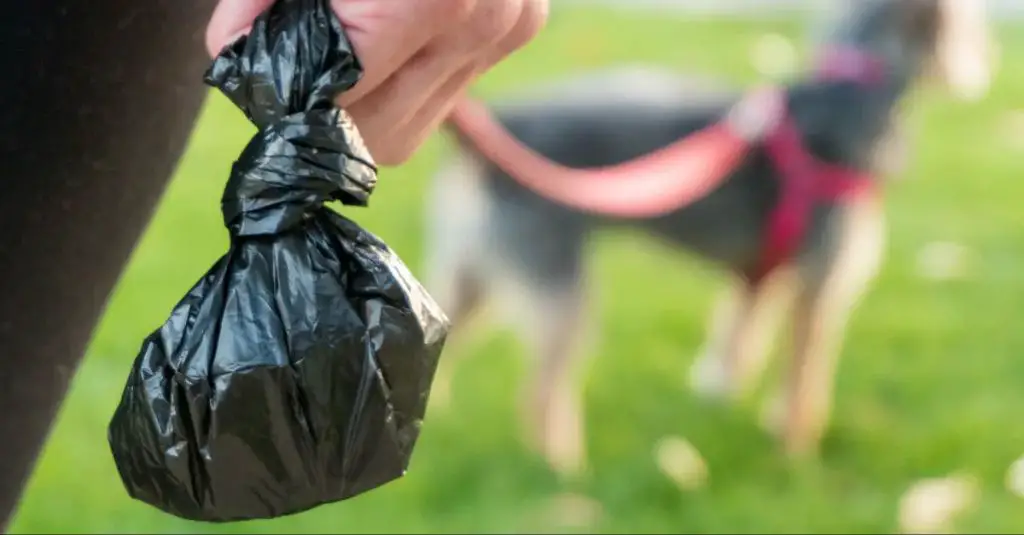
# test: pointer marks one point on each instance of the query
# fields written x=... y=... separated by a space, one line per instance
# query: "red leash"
x=649 y=186
x=687 y=170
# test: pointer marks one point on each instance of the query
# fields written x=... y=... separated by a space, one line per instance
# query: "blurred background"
x=927 y=418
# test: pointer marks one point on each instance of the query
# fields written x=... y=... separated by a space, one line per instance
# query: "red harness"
x=807 y=181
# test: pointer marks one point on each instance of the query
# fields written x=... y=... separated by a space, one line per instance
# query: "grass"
x=931 y=381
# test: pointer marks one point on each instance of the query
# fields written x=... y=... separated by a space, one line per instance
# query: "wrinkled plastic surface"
x=296 y=371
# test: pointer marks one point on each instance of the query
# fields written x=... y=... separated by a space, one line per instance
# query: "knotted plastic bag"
x=296 y=371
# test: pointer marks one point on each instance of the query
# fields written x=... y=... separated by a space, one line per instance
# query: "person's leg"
x=97 y=100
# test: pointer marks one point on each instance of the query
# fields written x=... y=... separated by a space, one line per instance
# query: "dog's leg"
x=834 y=276
x=457 y=229
x=741 y=335
x=708 y=376
x=554 y=415
x=768 y=304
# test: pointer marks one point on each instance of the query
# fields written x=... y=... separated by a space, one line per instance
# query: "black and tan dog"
x=778 y=187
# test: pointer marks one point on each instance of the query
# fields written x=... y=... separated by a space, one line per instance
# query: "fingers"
x=387 y=114
x=401 y=143
x=387 y=34
x=439 y=104
x=406 y=109
x=418 y=56
x=410 y=86
x=230 y=19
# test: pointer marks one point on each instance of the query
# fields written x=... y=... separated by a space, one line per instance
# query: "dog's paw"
x=562 y=443
x=708 y=378
x=554 y=430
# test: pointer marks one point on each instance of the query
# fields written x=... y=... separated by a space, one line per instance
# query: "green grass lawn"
x=931 y=381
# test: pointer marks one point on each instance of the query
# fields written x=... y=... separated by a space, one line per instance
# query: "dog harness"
x=805 y=180
x=650 y=186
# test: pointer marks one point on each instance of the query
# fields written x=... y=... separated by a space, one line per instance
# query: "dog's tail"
x=652 y=185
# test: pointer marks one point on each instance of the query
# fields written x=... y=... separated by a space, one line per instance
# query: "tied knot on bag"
x=284 y=75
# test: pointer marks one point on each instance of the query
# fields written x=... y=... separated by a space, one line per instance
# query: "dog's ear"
x=919 y=23
x=921 y=20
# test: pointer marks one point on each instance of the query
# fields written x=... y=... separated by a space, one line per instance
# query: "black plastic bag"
x=296 y=371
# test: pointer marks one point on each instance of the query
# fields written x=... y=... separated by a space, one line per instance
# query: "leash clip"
x=757 y=114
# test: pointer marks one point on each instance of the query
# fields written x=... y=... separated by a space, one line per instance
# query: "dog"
x=778 y=186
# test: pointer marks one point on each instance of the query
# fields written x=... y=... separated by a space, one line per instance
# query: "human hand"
x=418 y=56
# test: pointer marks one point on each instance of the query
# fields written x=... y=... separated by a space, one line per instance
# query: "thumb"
x=232 y=18
x=387 y=35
